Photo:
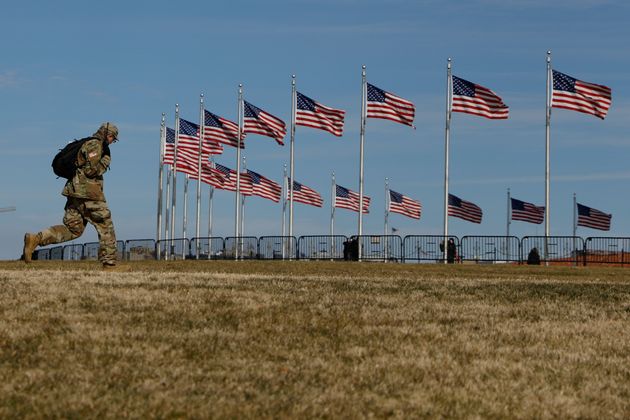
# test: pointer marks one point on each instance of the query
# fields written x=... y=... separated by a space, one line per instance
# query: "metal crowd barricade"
x=602 y=250
x=556 y=250
x=321 y=247
x=277 y=247
x=73 y=252
x=210 y=248
x=381 y=247
x=42 y=254
x=490 y=249
x=247 y=247
x=425 y=248
x=141 y=249
x=90 y=250
x=56 y=253
x=174 y=249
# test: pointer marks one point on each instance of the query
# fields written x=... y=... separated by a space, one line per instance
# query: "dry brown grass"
x=306 y=339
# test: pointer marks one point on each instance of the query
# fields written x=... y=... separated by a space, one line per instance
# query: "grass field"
x=313 y=339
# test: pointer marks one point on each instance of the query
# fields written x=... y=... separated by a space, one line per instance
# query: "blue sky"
x=67 y=66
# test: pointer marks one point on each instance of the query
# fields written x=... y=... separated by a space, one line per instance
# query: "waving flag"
x=527 y=212
x=227 y=177
x=576 y=95
x=189 y=139
x=169 y=146
x=464 y=209
x=347 y=199
x=404 y=205
x=264 y=187
x=381 y=104
x=217 y=129
x=593 y=218
x=212 y=176
x=260 y=122
x=313 y=114
x=187 y=158
x=305 y=195
x=475 y=99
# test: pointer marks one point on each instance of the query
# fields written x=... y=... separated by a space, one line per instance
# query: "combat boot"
x=31 y=241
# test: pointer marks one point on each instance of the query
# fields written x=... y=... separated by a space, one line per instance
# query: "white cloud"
x=9 y=79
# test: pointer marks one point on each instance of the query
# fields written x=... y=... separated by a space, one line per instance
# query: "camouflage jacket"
x=88 y=180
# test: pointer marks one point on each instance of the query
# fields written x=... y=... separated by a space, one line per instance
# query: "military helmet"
x=109 y=128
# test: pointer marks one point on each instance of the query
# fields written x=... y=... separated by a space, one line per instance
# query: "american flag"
x=264 y=187
x=592 y=218
x=187 y=159
x=576 y=95
x=217 y=129
x=211 y=176
x=527 y=212
x=228 y=181
x=464 y=209
x=189 y=139
x=404 y=205
x=169 y=146
x=258 y=121
x=305 y=195
x=381 y=104
x=475 y=99
x=347 y=199
x=313 y=114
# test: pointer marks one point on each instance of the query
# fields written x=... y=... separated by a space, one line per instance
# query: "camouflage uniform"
x=86 y=200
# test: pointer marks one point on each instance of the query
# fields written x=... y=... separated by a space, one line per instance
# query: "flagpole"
x=332 y=206
x=243 y=205
x=160 y=183
x=386 y=227
x=574 y=215
x=575 y=228
x=291 y=153
x=167 y=232
x=238 y=169
x=509 y=222
x=447 y=139
x=284 y=210
x=174 y=189
x=210 y=196
x=185 y=216
x=547 y=141
x=201 y=135
x=361 y=147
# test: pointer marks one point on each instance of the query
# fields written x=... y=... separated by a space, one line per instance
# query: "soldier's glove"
x=106 y=151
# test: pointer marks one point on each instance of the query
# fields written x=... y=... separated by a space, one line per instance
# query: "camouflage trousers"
x=78 y=213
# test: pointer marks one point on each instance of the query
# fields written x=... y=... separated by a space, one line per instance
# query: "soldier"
x=85 y=201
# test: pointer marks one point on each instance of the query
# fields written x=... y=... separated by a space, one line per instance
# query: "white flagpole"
x=243 y=201
x=174 y=189
x=574 y=215
x=160 y=182
x=292 y=161
x=332 y=206
x=547 y=141
x=509 y=222
x=575 y=227
x=201 y=140
x=167 y=225
x=447 y=140
x=238 y=170
x=361 y=147
x=386 y=225
x=185 y=217
x=284 y=210
x=210 y=196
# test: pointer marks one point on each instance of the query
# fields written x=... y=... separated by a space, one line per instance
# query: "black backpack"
x=64 y=163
